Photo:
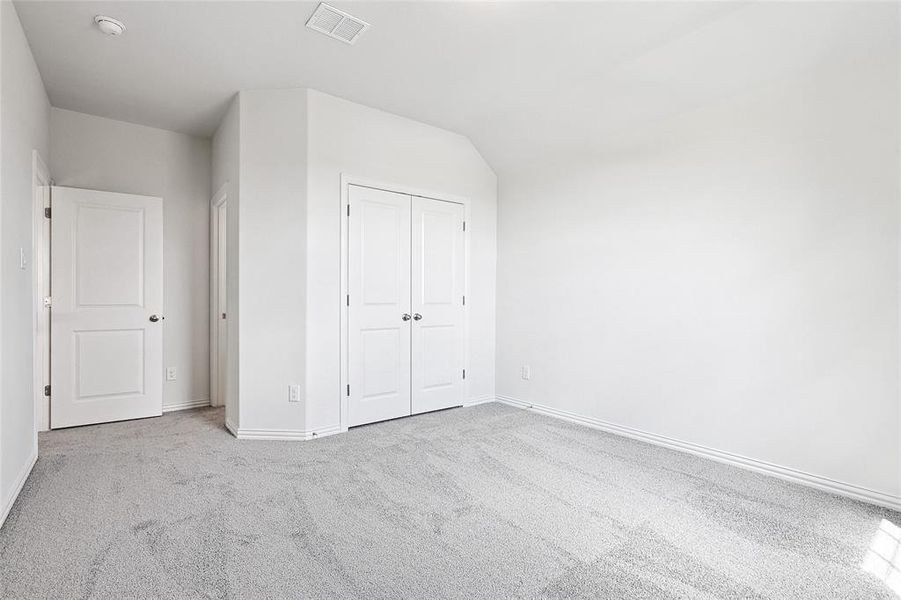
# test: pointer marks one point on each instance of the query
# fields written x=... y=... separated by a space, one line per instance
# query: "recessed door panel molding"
x=95 y=351
x=439 y=344
x=103 y=278
x=378 y=343
x=382 y=359
x=438 y=249
x=381 y=241
x=438 y=264
x=106 y=266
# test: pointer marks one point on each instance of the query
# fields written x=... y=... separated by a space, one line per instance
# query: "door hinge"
x=348 y=210
x=348 y=299
x=464 y=300
x=464 y=373
x=47 y=390
x=464 y=225
x=348 y=389
x=47 y=212
x=48 y=301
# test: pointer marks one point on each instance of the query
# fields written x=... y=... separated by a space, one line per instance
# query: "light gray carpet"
x=482 y=502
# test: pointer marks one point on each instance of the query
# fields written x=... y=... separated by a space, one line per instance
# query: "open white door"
x=438 y=264
x=106 y=316
x=379 y=299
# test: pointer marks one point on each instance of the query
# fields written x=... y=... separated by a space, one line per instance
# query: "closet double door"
x=405 y=305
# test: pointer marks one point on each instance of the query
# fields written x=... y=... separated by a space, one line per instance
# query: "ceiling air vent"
x=337 y=24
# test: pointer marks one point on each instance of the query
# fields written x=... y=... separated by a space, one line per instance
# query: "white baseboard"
x=825 y=484
x=475 y=400
x=17 y=488
x=186 y=405
x=282 y=434
x=302 y=435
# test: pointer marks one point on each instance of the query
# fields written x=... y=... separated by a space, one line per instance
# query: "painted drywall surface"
x=226 y=171
x=24 y=127
x=355 y=140
x=103 y=154
x=272 y=257
x=727 y=277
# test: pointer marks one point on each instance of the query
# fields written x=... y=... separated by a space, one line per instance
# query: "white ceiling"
x=521 y=79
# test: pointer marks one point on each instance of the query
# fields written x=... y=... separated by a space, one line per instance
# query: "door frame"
x=348 y=180
x=216 y=378
x=40 y=249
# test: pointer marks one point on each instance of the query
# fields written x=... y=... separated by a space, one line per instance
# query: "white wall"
x=727 y=277
x=272 y=257
x=226 y=173
x=24 y=127
x=349 y=138
x=103 y=154
x=287 y=150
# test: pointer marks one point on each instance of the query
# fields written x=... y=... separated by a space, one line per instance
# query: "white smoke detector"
x=337 y=24
x=109 y=25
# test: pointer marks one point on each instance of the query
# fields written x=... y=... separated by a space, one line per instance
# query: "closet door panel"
x=379 y=290
x=437 y=282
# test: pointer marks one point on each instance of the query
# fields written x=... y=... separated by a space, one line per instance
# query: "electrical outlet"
x=526 y=372
x=293 y=393
x=170 y=374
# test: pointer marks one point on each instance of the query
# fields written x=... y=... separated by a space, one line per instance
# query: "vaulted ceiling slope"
x=523 y=80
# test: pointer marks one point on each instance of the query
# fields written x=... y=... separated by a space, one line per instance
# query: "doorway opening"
x=219 y=298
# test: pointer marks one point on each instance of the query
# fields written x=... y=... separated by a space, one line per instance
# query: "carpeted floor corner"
x=481 y=502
